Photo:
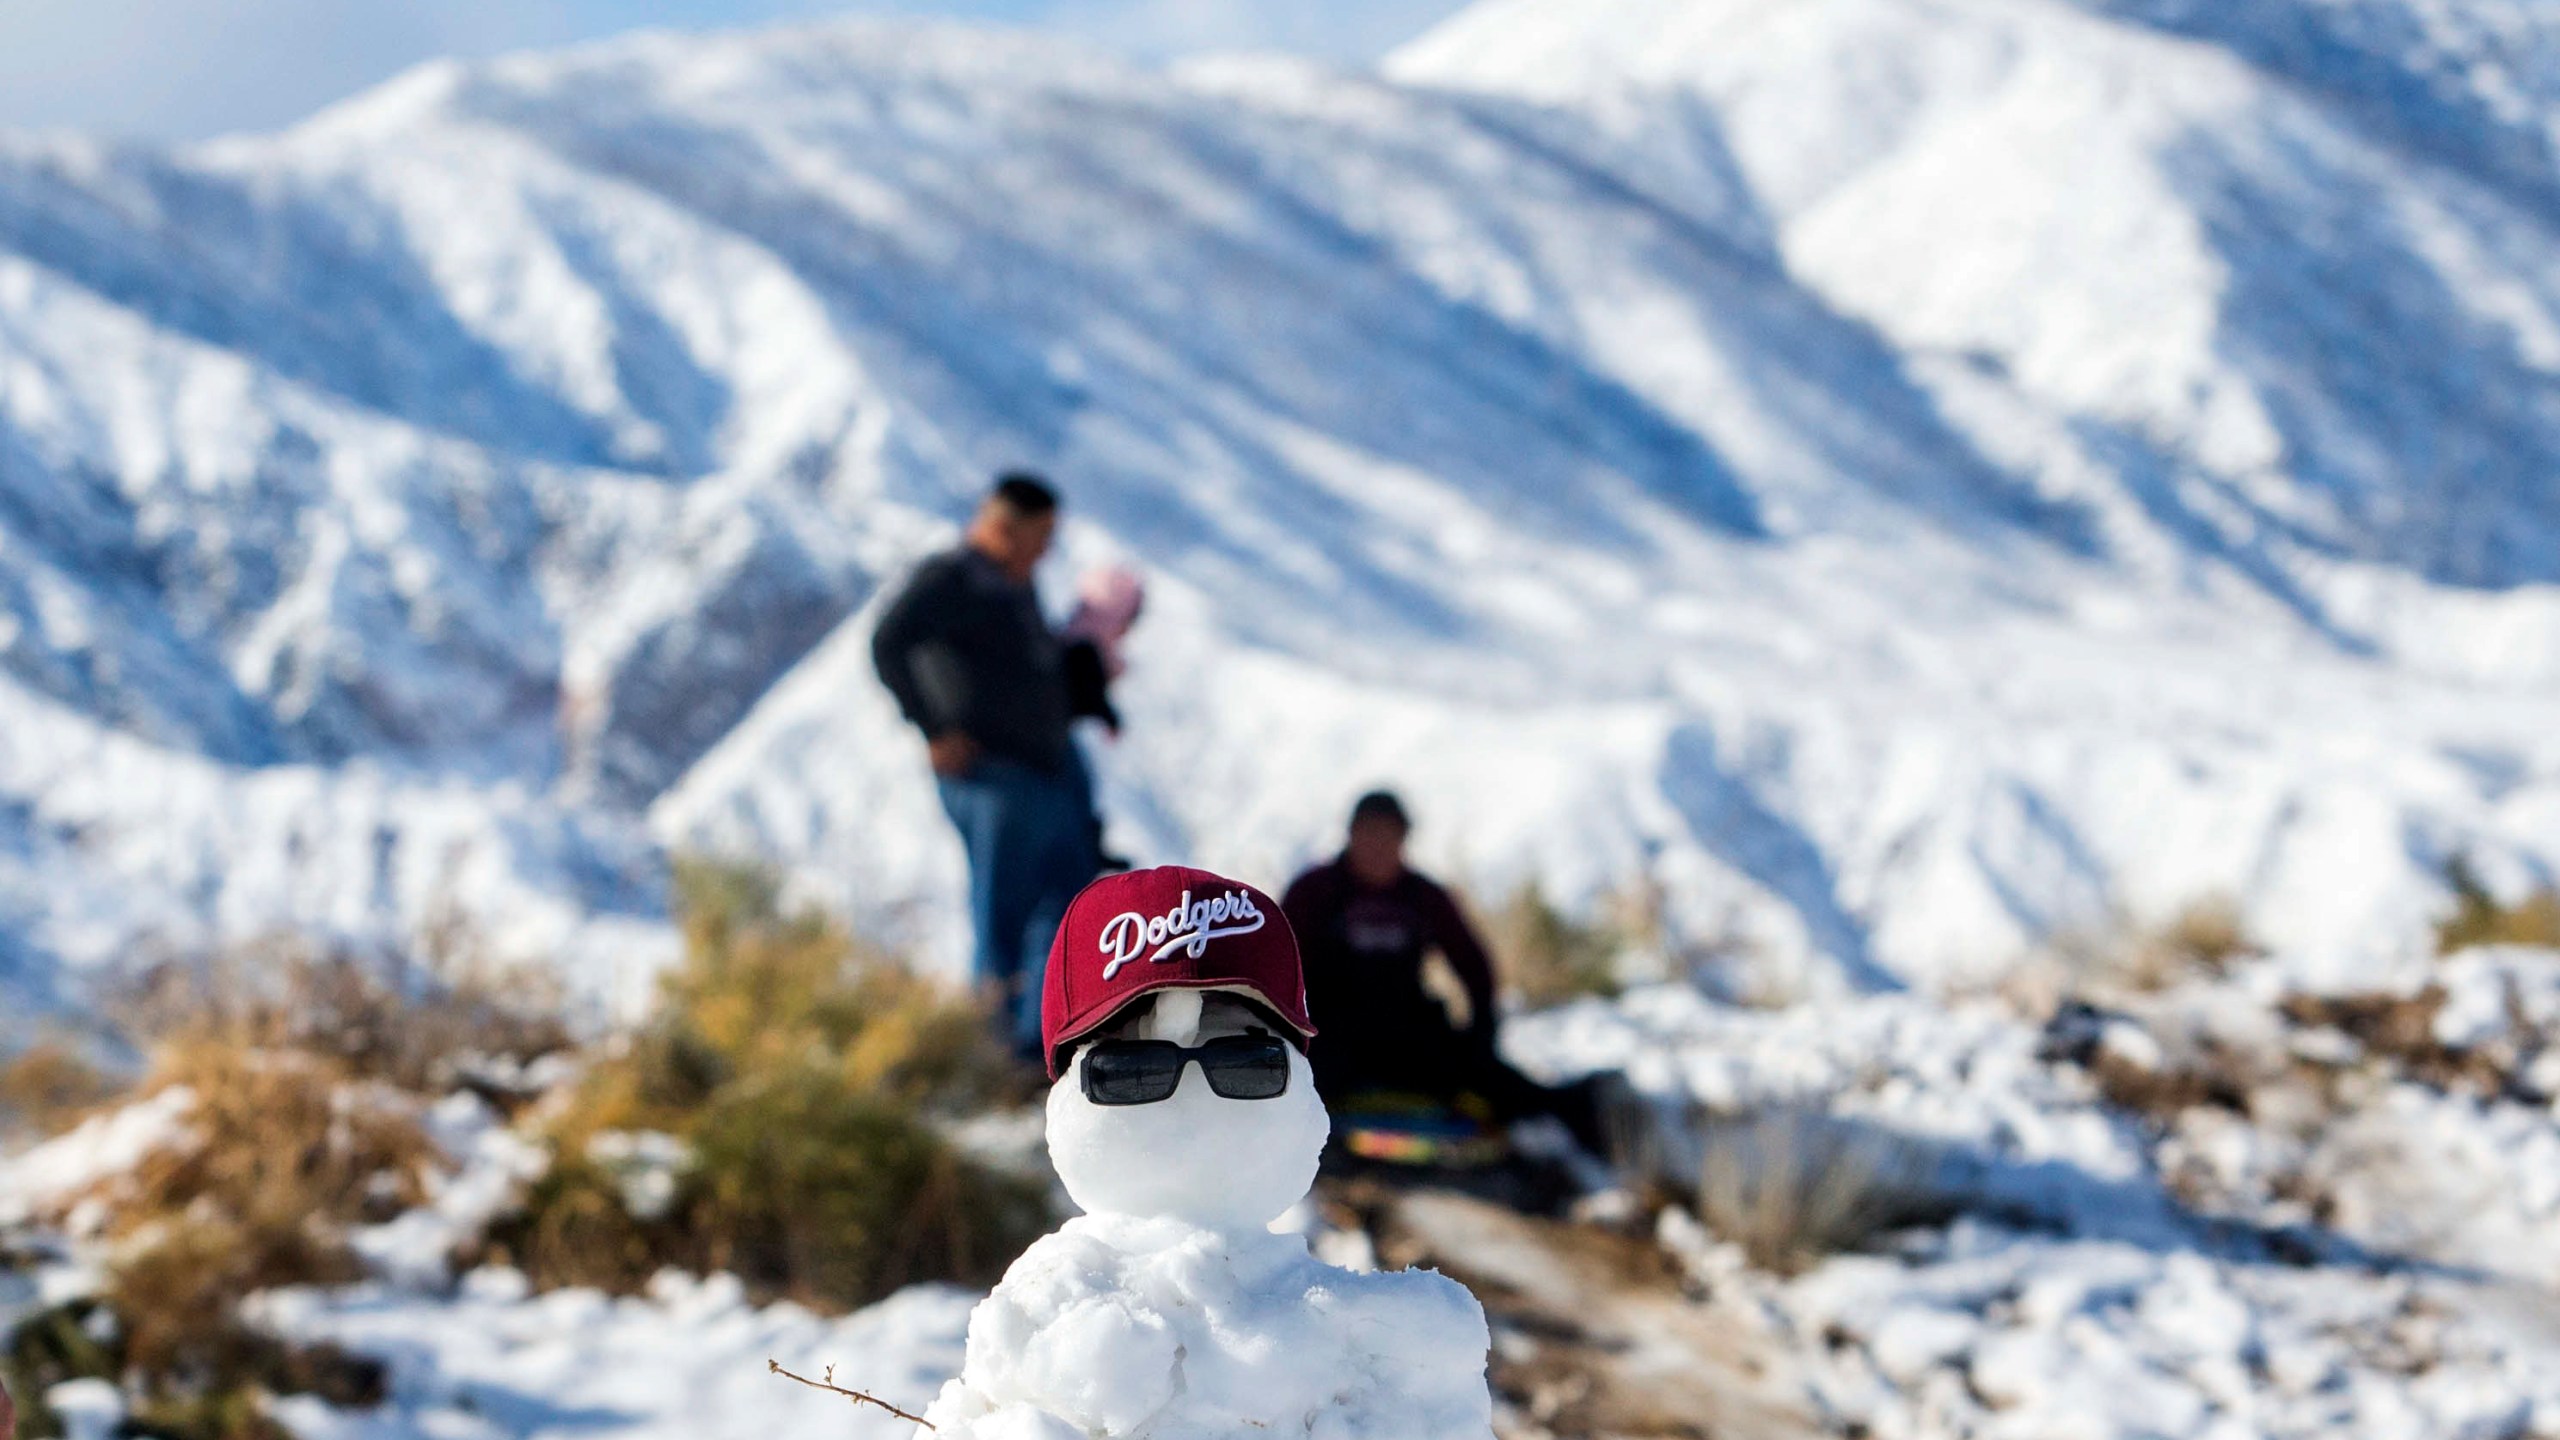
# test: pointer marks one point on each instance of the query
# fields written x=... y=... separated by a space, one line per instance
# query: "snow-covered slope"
x=2191 y=262
x=1906 y=477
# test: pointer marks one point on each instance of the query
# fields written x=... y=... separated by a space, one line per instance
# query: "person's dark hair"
x=1380 y=805
x=1025 y=494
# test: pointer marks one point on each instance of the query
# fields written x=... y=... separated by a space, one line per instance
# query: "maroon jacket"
x=1363 y=950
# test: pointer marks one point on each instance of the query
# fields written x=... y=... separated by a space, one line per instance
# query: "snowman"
x=1184 y=1121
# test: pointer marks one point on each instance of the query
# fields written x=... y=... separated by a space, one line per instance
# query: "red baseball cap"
x=1171 y=928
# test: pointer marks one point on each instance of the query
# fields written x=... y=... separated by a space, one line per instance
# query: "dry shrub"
x=304 y=1068
x=2209 y=936
x=50 y=1085
x=2394 y=1027
x=2159 y=1074
x=283 y=1151
x=761 y=988
x=48 y=1348
x=2400 y=1031
x=2203 y=940
x=2480 y=918
x=376 y=1018
x=84 y=1340
x=801 y=1071
x=1793 y=1184
x=286 y=1150
x=2164 y=1092
x=1547 y=957
x=289 y=1149
x=577 y=1229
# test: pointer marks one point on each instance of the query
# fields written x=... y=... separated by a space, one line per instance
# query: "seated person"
x=1366 y=922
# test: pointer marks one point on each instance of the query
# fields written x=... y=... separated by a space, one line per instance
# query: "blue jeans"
x=1031 y=843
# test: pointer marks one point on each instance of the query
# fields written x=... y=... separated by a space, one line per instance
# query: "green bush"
x=831 y=1196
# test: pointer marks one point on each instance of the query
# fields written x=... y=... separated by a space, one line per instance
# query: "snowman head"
x=1175 y=1021
x=1228 y=1161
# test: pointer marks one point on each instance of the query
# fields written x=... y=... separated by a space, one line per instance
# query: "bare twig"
x=830 y=1386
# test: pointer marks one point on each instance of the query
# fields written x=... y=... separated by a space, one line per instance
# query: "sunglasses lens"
x=1132 y=1072
x=1247 y=1067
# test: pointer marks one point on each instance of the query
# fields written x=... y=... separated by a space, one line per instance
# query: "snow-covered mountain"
x=1907 y=476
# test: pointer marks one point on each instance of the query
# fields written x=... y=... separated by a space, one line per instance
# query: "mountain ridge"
x=460 y=501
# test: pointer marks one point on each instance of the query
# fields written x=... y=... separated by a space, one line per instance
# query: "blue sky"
x=183 y=69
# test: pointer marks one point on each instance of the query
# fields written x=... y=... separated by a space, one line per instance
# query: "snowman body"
x=1170 y=1311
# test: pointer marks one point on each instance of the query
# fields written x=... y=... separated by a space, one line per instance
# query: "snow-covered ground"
x=478 y=1354
x=2351 y=1250
x=2360 y=1235
x=1902 y=477
x=687 y=1361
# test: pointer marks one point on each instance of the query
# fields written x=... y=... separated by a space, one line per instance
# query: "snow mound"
x=2381 y=1266
x=684 y=1362
x=1155 y=1329
x=2031 y=1336
x=101 y=1151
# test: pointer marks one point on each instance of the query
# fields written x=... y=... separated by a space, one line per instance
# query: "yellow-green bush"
x=834 y=1196
x=803 y=1072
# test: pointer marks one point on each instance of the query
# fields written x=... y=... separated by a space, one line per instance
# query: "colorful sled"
x=1420 y=1132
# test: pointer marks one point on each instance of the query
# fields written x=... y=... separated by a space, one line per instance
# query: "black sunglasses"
x=1143 y=1072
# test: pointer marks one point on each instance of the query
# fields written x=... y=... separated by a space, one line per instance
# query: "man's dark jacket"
x=965 y=648
x=1376 y=1023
